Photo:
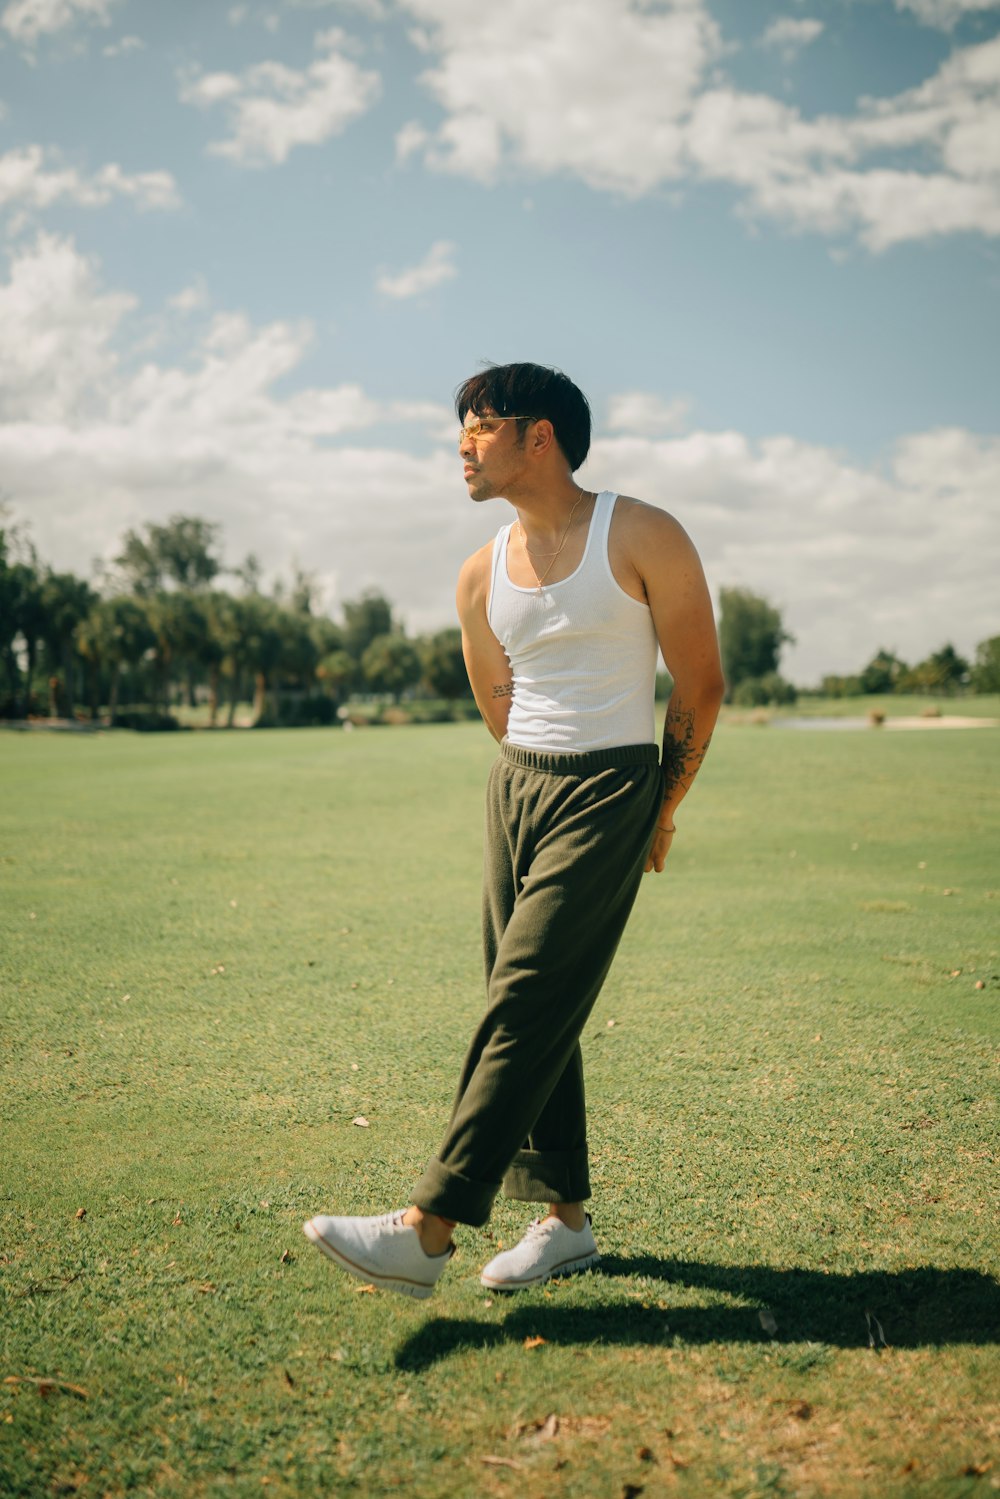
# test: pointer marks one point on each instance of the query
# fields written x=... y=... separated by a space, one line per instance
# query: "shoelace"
x=536 y=1229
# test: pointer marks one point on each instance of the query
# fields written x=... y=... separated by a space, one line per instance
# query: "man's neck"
x=545 y=510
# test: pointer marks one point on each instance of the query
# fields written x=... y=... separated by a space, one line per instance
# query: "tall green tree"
x=883 y=673
x=22 y=621
x=751 y=635
x=943 y=671
x=180 y=625
x=985 y=674
x=116 y=635
x=391 y=663
x=183 y=552
x=444 y=665
x=365 y=619
x=66 y=602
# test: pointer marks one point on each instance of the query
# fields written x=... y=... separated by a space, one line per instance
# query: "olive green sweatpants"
x=567 y=838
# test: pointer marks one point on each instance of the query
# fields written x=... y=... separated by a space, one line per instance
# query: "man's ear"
x=543 y=436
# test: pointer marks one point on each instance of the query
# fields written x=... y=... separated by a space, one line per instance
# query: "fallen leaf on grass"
x=976 y=1470
x=538 y=1431
x=364 y=1290
x=361 y=1121
x=81 y=1212
x=499 y=1462
x=533 y=1342
x=287 y=1258
x=177 y=1221
x=45 y=1386
x=206 y=1288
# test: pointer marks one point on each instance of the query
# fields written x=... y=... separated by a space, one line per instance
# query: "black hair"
x=531 y=390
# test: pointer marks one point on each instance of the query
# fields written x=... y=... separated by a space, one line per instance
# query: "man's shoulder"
x=644 y=522
x=474 y=575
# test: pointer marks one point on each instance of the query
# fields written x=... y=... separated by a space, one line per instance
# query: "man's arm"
x=485 y=658
x=671 y=574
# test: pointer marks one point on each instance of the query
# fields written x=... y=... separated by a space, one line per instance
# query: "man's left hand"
x=662 y=840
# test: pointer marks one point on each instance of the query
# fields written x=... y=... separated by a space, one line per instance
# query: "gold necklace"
x=524 y=543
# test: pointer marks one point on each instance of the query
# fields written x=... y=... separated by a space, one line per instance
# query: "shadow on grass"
x=921 y=1307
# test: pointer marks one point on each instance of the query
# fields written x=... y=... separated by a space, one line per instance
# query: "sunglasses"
x=477 y=428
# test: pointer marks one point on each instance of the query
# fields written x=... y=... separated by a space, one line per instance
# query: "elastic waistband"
x=587 y=763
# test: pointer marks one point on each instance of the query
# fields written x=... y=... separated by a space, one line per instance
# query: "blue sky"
x=248 y=250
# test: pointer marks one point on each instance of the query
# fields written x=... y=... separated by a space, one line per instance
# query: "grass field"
x=219 y=950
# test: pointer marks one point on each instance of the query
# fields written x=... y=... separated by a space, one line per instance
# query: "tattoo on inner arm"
x=503 y=689
x=681 y=756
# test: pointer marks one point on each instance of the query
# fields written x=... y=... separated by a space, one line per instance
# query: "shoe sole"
x=568 y=1267
x=414 y=1288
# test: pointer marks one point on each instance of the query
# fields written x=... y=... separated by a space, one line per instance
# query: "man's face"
x=491 y=453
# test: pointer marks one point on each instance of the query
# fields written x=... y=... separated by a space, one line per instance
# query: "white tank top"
x=582 y=651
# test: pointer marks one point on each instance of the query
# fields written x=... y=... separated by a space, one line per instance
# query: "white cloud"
x=789 y=34
x=897 y=554
x=190 y=298
x=946 y=13
x=32 y=177
x=374 y=9
x=125 y=45
x=274 y=108
x=56 y=355
x=812 y=174
x=622 y=104
x=27 y=20
x=411 y=138
x=437 y=265
x=602 y=97
x=642 y=412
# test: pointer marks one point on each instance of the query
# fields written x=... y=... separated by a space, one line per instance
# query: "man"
x=561 y=619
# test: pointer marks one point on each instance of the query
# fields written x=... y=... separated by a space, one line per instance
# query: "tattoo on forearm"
x=502 y=689
x=681 y=754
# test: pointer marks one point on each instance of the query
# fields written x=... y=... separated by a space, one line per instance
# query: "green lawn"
x=220 y=949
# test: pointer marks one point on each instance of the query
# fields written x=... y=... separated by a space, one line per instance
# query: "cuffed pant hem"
x=548 y=1176
x=451 y=1195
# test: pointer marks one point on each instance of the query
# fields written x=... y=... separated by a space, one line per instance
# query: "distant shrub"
x=768 y=690
x=145 y=720
x=300 y=711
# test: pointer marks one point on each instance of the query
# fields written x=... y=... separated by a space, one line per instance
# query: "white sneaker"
x=548 y=1248
x=383 y=1250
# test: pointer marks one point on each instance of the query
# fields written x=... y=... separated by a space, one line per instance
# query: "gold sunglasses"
x=476 y=428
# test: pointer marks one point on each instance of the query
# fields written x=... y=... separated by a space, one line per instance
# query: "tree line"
x=752 y=635
x=159 y=630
